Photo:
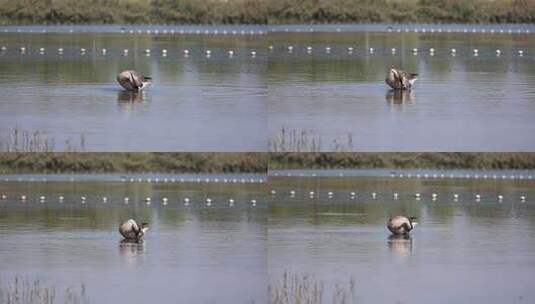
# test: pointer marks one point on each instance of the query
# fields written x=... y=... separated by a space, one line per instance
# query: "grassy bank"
x=132 y=162
x=253 y=162
x=265 y=11
x=402 y=11
x=402 y=160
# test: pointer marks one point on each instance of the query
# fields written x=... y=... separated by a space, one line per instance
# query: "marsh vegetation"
x=303 y=288
x=402 y=160
x=132 y=162
x=21 y=290
x=307 y=141
x=265 y=11
x=20 y=140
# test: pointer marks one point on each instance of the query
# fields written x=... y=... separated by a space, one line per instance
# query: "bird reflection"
x=131 y=250
x=399 y=96
x=129 y=97
x=400 y=244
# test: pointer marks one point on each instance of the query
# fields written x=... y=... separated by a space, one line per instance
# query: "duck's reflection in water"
x=131 y=250
x=400 y=244
x=129 y=97
x=399 y=96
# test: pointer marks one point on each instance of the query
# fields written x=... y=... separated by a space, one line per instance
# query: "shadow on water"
x=399 y=96
x=400 y=244
x=129 y=97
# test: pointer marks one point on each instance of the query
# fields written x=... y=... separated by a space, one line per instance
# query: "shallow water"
x=464 y=251
x=337 y=99
x=196 y=103
x=191 y=254
x=460 y=103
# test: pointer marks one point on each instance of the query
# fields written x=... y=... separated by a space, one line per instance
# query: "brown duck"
x=133 y=81
x=130 y=230
x=399 y=225
x=400 y=80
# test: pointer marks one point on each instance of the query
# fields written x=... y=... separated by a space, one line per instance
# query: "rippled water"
x=463 y=251
x=196 y=103
x=460 y=103
x=191 y=254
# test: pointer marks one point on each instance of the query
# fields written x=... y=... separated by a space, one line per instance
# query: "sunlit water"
x=464 y=251
x=196 y=253
x=196 y=103
x=464 y=102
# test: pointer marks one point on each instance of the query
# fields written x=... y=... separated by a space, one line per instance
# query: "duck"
x=133 y=81
x=401 y=225
x=400 y=80
x=130 y=230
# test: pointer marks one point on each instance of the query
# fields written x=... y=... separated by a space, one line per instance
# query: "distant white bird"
x=133 y=81
x=401 y=224
x=130 y=230
x=400 y=80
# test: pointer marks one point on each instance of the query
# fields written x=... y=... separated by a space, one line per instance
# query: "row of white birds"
x=186 y=52
x=278 y=174
x=151 y=32
x=309 y=49
x=157 y=180
x=277 y=29
x=374 y=195
x=126 y=200
x=371 y=50
x=417 y=30
x=292 y=194
x=423 y=175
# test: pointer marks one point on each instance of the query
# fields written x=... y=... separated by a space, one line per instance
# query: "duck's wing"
x=136 y=79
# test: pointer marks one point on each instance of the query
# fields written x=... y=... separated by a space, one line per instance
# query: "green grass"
x=402 y=160
x=265 y=11
x=253 y=162
x=132 y=162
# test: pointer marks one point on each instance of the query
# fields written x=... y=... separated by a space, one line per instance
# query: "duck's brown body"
x=132 y=81
x=130 y=230
x=401 y=225
x=400 y=80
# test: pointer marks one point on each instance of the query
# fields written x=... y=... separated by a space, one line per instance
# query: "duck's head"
x=144 y=227
x=142 y=230
x=413 y=221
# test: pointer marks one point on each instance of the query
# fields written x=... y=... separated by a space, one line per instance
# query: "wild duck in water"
x=133 y=81
x=130 y=230
x=400 y=80
x=401 y=224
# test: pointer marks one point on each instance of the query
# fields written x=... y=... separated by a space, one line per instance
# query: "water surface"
x=465 y=250
x=196 y=103
x=198 y=253
x=339 y=100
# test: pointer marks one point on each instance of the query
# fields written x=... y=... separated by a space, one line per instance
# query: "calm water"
x=460 y=103
x=197 y=103
x=464 y=251
x=191 y=254
x=337 y=99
